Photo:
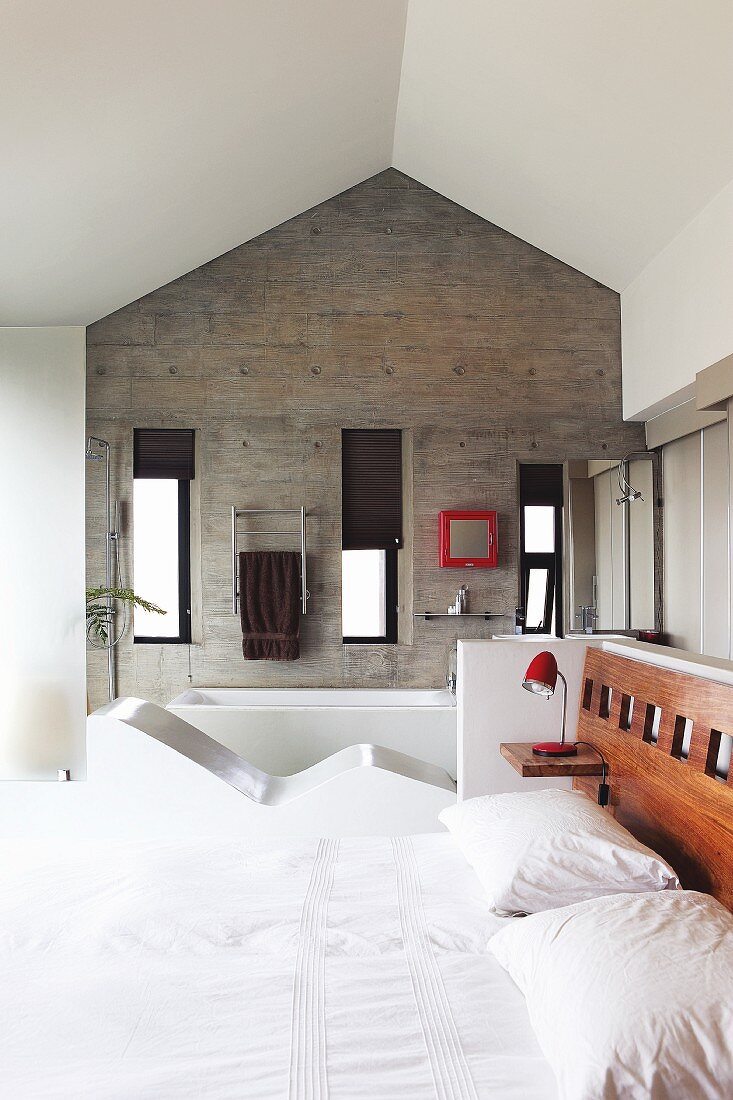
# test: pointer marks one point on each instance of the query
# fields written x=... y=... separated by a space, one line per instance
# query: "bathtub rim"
x=183 y=702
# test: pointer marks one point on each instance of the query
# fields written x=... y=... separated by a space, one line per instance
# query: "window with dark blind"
x=371 y=487
x=371 y=533
x=163 y=468
x=540 y=532
x=163 y=453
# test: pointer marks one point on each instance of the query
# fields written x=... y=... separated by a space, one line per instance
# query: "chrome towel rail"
x=236 y=513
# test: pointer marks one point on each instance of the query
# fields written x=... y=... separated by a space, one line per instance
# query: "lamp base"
x=555 y=748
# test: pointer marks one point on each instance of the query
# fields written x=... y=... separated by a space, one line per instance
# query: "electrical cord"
x=603 y=788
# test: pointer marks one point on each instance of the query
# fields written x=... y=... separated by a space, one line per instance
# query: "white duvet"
x=352 y=968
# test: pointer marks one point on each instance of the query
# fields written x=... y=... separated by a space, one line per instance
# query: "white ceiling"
x=141 y=139
x=595 y=129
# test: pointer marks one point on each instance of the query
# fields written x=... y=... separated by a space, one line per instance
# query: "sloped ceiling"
x=141 y=139
x=595 y=129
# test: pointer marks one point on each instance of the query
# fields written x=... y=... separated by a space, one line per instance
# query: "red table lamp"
x=541 y=679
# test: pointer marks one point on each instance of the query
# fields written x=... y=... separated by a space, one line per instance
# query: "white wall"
x=493 y=708
x=676 y=316
x=715 y=603
x=640 y=518
x=42 y=637
x=696 y=551
x=682 y=542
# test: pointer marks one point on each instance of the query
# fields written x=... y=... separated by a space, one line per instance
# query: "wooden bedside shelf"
x=523 y=760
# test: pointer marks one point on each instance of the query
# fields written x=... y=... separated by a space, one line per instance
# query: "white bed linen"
x=538 y=850
x=630 y=995
x=352 y=968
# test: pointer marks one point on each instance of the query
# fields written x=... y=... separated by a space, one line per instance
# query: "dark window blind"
x=163 y=452
x=371 y=469
x=541 y=483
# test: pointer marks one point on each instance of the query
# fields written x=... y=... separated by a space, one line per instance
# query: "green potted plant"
x=100 y=617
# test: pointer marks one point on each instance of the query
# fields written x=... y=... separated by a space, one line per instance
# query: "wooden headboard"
x=638 y=715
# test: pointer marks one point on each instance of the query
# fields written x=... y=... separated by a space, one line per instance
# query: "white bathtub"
x=284 y=731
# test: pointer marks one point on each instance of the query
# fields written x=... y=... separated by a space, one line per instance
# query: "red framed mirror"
x=468 y=540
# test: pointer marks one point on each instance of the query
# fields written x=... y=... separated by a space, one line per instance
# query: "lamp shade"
x=541 y=675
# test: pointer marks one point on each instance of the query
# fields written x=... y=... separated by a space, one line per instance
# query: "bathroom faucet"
x=451 y=675
x=587 y=616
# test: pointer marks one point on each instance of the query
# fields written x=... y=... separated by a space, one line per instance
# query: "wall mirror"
x=468 y=539
x=612 y=579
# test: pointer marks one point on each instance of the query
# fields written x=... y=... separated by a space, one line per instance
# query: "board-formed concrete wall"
x=387 y=306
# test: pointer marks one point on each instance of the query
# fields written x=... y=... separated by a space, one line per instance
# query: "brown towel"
x=269 y=604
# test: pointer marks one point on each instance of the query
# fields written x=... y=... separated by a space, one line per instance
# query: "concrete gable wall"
x=387 y=306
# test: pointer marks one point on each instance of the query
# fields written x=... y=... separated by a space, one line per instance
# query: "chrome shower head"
x=628 y=493
x=629 y=498
x=90 y=453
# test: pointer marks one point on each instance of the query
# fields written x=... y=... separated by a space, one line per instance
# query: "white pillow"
x=630 y=996
x=541 y=849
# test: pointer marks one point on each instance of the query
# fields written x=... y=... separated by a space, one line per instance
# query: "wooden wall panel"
x=387 y=306
x=668 y=797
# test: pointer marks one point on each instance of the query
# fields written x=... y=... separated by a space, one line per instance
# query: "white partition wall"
x=42 y=640
x=493 y=707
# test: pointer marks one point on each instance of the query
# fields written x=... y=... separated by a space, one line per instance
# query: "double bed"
x=341 y=968
x=322 y=968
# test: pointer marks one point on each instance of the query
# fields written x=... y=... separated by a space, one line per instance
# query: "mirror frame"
x=447 y=561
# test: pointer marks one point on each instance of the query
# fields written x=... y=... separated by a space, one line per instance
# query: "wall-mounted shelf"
x=524 y=761
x=427 y=615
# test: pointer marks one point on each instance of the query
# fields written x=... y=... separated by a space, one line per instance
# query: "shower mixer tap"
x=588 y=616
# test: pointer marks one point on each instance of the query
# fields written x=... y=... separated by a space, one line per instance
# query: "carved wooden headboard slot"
x=661 y=733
